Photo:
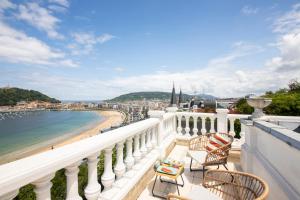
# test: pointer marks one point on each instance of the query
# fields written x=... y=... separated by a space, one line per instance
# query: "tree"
x=294 y=85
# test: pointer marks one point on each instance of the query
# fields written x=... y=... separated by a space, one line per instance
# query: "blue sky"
x=86 y=50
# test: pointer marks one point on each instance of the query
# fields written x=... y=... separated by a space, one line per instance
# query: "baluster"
x=72 y=182
x=187 y=126
x=43 y=187
x=231 y=132
x=154 y=135
x=143 y=144
x=149 y=144
x=179 y=128
x=212 y=125
x=195 y=129
x=108 y=176
x=129 y=160
x=203 y=128
x=120 y=166
x=93 y=189
x=10 y=196
x=137 y=153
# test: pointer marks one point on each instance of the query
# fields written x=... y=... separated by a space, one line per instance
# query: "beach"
x=110 y=118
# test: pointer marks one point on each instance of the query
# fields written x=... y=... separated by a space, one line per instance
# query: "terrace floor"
x=191 y=179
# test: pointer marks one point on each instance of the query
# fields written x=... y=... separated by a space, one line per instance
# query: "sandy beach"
x=110 y=118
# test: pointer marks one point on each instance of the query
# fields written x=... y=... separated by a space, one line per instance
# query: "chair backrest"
x=235 y=185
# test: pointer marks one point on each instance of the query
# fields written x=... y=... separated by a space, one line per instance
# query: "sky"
x=95 y=49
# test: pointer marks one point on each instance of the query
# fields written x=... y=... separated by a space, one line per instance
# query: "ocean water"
x=24 y=130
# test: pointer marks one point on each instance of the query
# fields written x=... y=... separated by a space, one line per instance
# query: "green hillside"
x=10 y=96
x=153 y=96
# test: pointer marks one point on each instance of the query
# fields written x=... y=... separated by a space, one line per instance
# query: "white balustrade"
x=149 y=144
x=39 y=169
x=42 y=187
x=179 y=128
x=120 y=167
x=137 y=154
x=203 y=127
x=212 y=125
x=231 y=126
x=129 y=160
x=108 y=176
x=93 y=188
x=187 y=125
x=195 y=129
x=154 y=137
x=143 y=144
x=10 y=195
x=72 y=182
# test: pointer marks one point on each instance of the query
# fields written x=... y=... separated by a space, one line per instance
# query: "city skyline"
x=77 y=51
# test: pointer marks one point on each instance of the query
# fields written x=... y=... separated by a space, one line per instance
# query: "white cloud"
x=6 y=4
x=248 y=10
x=288 y=43
x=64 y=3
x=119 y=69
x=84 y=42
x=40 y=18
x=289 y=22
x=17 y=47
x=57 y=8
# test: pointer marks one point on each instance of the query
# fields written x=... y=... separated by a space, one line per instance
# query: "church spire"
x=180 y=97
x=173 y=97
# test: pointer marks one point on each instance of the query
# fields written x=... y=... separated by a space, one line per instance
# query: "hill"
x=153 y=96
x=10 y=96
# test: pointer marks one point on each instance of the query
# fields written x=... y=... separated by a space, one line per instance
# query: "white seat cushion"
x=198 y=156
x=199 y=192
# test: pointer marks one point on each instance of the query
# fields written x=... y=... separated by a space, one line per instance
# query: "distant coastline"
x=110 y=118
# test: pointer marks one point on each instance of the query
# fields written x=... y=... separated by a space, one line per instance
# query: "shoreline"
x=110 y=118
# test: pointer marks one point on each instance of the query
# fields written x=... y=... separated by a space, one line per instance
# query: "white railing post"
x=195 y=129
x=159 y=115
x=120 y=166
x=93 y=188
x=149 y=144
x=10 y=196
x=231 y=131
x=154 y=137
x=108 y=176
x=129 y=160
x=179 y=128
x=136 y=152
x=43 y=187
x=143 y=143
x=222 y=120
x=187 y=125
x=203 y=127
x=72 y=182
x=212 y=125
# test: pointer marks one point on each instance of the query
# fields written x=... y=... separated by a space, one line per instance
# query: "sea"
x=24 y=131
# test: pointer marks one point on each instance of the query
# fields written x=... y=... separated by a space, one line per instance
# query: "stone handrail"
x=39 y=169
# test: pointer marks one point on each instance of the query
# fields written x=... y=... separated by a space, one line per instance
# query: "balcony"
x=267 y=148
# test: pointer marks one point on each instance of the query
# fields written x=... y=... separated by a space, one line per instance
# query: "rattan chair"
x=215 y=157
x=230 y=185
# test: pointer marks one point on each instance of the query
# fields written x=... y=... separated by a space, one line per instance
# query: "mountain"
x=154 y=96
x=10 y=96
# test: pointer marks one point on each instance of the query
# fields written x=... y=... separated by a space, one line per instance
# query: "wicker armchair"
x=215 y=157
x=230 y=185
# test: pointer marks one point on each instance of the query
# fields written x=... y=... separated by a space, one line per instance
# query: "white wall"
x=267 y=154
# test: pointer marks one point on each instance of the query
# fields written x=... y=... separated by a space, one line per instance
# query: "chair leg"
x=218 y=166
x=203 y=169
x=225 y=166
x=154 y=186
x=177 y=187
x=193 y=170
